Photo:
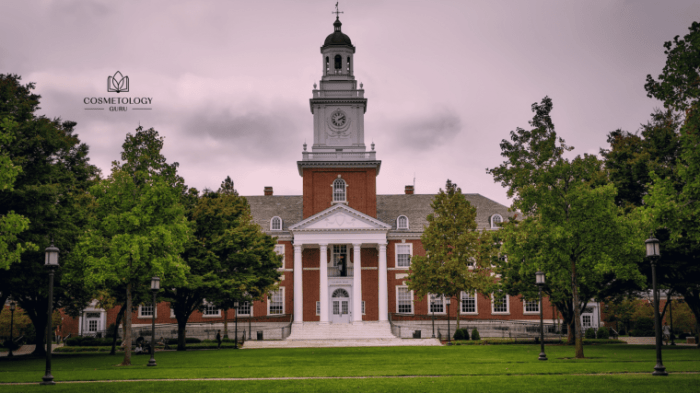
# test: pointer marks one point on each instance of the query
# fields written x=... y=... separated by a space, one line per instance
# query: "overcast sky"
x=445 y=80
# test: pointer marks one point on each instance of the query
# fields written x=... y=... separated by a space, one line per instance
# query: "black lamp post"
x=12 y=322
x=432 y=308
x=653 y=253
x=539 y=280
x=235 y=340
x=449 y=336
x=51 y=262
x=155 y=287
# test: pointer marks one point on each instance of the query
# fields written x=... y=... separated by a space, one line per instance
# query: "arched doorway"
x=340 y=306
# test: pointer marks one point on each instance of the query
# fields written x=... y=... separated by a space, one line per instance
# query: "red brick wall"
x=370 y=284
x=361 y=190
x=312 y=282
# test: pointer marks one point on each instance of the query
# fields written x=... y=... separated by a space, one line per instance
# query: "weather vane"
x=336 y=12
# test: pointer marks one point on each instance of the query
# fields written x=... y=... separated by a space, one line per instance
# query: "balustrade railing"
x=337 y=271
x=339 y=93
x=339 y=155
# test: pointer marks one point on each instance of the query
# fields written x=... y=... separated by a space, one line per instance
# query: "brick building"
x=346 y=249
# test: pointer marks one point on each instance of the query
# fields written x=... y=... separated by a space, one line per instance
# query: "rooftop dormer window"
x=276 y=224
x=402 y=222
x=496 y=221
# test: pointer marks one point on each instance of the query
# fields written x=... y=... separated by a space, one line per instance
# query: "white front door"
x=340 y=306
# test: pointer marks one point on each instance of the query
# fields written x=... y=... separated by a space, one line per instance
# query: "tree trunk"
x=127 y=328
x=181 y=331
x=116 y=330
x=226 y=323
x=37 y=310
x=577 y=312
x=570 y=333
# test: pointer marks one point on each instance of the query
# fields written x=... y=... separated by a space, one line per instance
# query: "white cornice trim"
x=298 y=227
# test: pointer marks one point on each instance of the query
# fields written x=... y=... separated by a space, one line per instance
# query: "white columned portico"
x=324 y=282
x=357 y=285
x=383 y=292
x=298 y=292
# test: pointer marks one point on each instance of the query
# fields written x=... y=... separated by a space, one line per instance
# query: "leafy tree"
x=571 y=228
x=138 y=225
x=457 y=256
x=11 y=224
x=673 y=203
x=54 y=170
x=230 y=258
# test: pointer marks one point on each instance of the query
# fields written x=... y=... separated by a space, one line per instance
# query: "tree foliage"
x=571 y=228
x=457 y=256
x=229 y=256
x=137 y=225
x=673 y=203
x=53 y=168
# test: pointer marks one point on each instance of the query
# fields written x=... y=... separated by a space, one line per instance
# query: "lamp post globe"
x=540 y=280
x=653 y=253
x=51 y=262
x=12 y=323
x=155 y=287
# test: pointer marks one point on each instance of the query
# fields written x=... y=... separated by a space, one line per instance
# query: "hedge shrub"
x=188 y=340
x=603 y=332
x=475 y=335
x=590 y=333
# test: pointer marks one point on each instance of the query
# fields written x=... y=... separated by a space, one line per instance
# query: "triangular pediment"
x=340 y=217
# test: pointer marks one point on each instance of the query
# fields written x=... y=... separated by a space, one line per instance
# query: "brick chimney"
x=268 y=191
x=409 y=190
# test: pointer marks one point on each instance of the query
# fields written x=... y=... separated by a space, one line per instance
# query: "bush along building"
x=346 y=250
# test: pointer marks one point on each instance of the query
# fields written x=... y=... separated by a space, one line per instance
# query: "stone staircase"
x=315 y=335
x=341 y=331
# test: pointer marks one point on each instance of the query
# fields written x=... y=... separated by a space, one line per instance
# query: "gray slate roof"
x=389 y=207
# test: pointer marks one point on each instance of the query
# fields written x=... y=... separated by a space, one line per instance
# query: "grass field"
x=405 y=369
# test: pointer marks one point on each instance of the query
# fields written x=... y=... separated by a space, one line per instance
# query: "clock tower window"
x=328 y=64
x=339 y=190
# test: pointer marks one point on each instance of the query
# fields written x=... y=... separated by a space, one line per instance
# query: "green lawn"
x=481 y=368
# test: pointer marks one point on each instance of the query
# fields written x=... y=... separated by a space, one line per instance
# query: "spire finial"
x=336 y=12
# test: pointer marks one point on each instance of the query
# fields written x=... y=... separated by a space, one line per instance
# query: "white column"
x=324 y=283
x=383 y=293
x=357 y=286
x=298 y=293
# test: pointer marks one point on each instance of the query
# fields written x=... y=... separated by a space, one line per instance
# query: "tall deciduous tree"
x=229 y=256
x=138 y=227
x=571 y=229
x=673 y=203
x=457 y=256
x=54 y=169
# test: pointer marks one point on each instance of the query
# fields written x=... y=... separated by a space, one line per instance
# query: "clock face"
x=338 y=118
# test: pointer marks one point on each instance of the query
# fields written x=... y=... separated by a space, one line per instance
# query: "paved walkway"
x=26 y=350
x=312 y=378
x=648 y=341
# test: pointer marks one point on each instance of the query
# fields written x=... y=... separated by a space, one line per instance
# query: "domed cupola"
x=337 y=37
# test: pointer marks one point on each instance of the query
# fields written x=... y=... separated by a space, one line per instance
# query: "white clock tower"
x=338 y=105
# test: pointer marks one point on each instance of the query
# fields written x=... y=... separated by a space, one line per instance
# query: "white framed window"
x=172 y=313
x=318 y=308
x=531 y=306
x=468 y=303
x=436 y=304
x=92 y=325
x=211 y=311
x=245 y=309
x=586 y=321
x=146 y=311
x=496 y=220
x=279 y=249
x=499 y=303
x=404 y=251
x=402 y=222
x=275 y=302
x=339 y=190
x=276 y=224
x=404 y=300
